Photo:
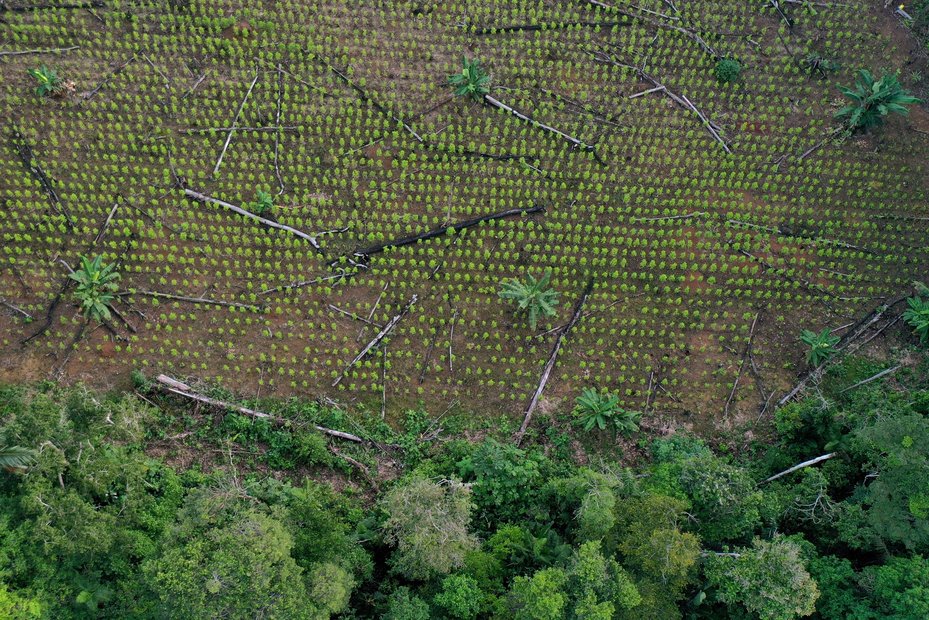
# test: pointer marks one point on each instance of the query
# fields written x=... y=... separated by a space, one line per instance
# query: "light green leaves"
x=472 y=82
x=532 y=296
x=872 y=100
x=96 y=283
x=822 y=346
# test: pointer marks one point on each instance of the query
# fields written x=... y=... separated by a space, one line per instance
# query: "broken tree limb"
x=352 y=315
x=377 y=339
x=266 y=222
x=277 y=134
x=103 y=82
x=499 y=104
x=798 y=466
x=690 y=34
x=578 y=310
x=51 y=50
x=670 y=217
x=300 y=284
x=16 y=309
x=441 y=230
x=538 y=27
x=235 y=121
x=24 y=151
x=193 y=300
x=106 y=224
x=874 y=377
x=182 y=389
x=93 y=4
x=748 y=350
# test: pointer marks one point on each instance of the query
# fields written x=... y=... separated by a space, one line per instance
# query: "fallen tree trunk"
x=539 y=27
x=377 y=339
x=24 y=151
x=798 y=466
x=578 y=310
x=266 y=222
x=874 y=377
x=439 y=231
x=93 y=4
x=105 y=80
x=499 y=104
x=195 y=300
x=182 y=389
x=49 y=50
x=235 y=122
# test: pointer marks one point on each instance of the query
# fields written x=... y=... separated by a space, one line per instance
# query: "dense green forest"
x=93 y=526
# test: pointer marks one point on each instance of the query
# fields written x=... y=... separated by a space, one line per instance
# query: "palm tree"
x=474 y=82
x=872 y=100
x=917 y=315
x=822 y=346
x=532 y=296
x=96 y=283
x=15 y=457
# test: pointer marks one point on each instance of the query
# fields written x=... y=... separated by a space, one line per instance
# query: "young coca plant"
x=532 y=296
x=872 y=100
x=595 y=409
x=96 y=285
x=48 y=81
x=264 y=202
x=822 y=346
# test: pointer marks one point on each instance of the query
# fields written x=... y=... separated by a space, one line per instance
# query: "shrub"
x=96 y=283
x=728 y=70
x=49 y=82
x=533 y=297
x=822 y=346
x=872 y=100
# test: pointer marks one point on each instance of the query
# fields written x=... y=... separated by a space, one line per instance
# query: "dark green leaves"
x=534 y=297
x=96 y=283
x=872 y=100
x=822 y=346
x=472 y=82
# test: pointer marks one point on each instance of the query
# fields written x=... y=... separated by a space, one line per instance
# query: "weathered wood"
x=195 y=300
x=377 y=339
x=24 y=151
x=499 y=104
x=874 y=377
x=93 y=4
x=106 y=224
x=690 y=34
x=50 y=50
x=748 y=350
x=105 y=80
x=235 y=121
x=352 y=315
x=300 y=284
x=182 y=389
x=485 y=30
x=799 y=466
x=578 y=310
x=266 y=222
x=670 y=217
x=441 y=230
x=16 y=309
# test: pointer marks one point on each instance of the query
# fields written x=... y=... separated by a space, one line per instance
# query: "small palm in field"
x=472 y=82
x=822 y=346
x=532 y=296
x=595 y=409
x=917 y=317
x=96 y=285
x=15 y=457
x=872 y=100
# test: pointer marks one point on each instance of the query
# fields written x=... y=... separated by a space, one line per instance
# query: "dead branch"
x=16 y=309
x=277 y=123
x=106 y=224
x=235 y=121
x=266 y=222
x=24 y=151
x=301 y=284
x=578 y=310
x=103 y=82
x=690 y=34
x=367 y=252
x=818 y=459
x=352 y=315
x=269 y=129
x=356 y=464
x=670 y=217
x=182 y=389
x=874 y=377
x=52 y=50
x=377 y=339
x=194 y=300
x=93 y=4
x=195 y=86
x=748 y=349
x=499 y=104
x=485 y=30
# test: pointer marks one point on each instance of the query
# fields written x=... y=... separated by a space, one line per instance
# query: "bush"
x=728 y=70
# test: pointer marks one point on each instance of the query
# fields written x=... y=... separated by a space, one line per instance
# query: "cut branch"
x=499 y=104
x=103 y=82
x=16 y=309
x=182 y=389
x=818 y=459
x=24 y=151
x=875 y=377
x=51 y=50
x=377 y=339
x=269 y=223
x=578 y=310
x=93 y=4
x=194 y=300
x=301 y=284
x=538 y=27
x=745 y=355
x=441 y=230
x=235 y=121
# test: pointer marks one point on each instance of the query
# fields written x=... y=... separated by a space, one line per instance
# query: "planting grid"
x=673 y=301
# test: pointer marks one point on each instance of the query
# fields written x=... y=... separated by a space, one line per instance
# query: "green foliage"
x=14 y=606
x=728 y=70
x=539 y=597
x=461 y=597
x=264 y=202
x=819 y=64
x=596 y=409
x=505 y=482
x=472 y=82
x=599 y=585
x=428 y=522
x=724 y=498
x=403 y=605
x=96 y=285
x=917 y=316
x=872 y=100
x=769 y=579
x=822 y=346
x=48 y=81
x=15 y=457
x=533 y=297
x=224 y=559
